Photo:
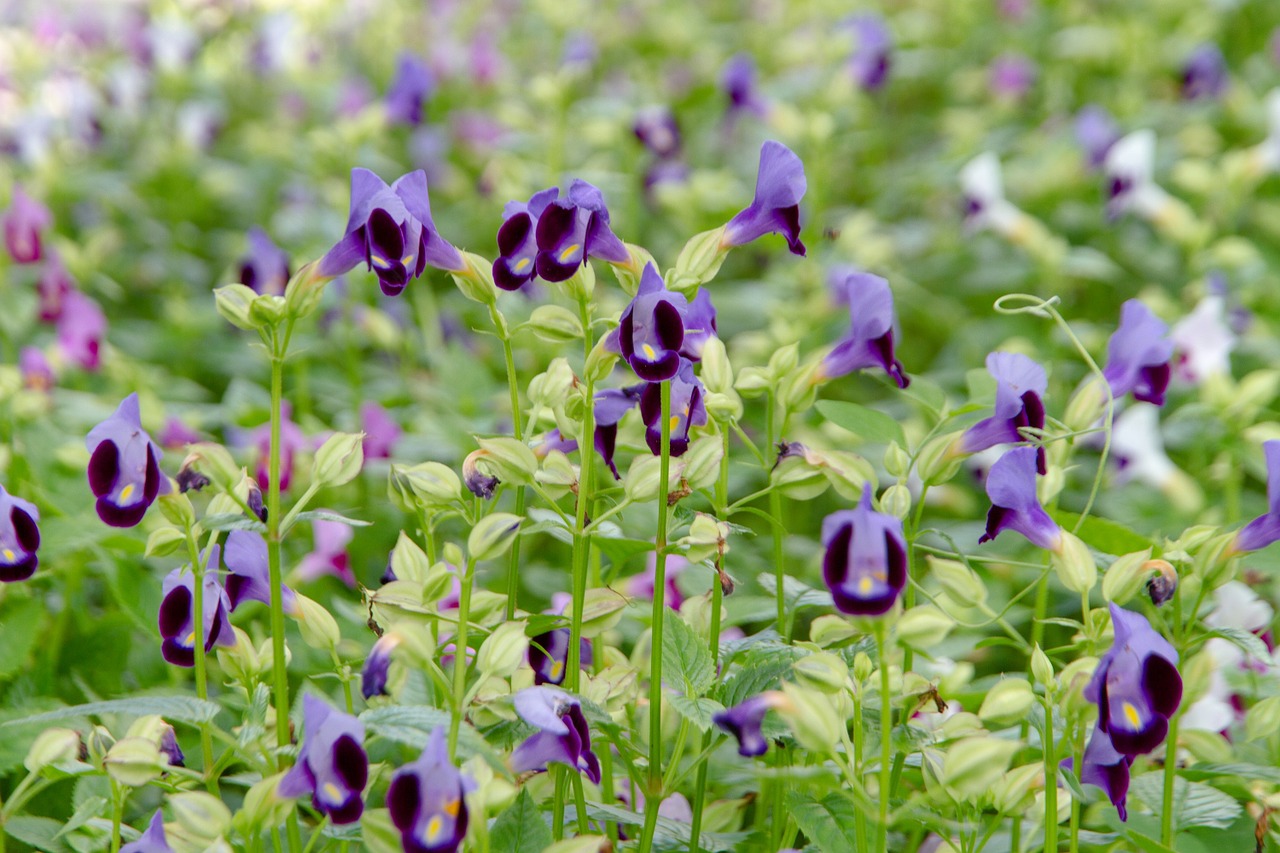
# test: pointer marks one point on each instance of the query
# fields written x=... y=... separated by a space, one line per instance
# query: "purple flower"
x=739 y=82
x=699 y=325
x=1204 y=75
x=176 y=434
x=1107 y=769
x=177 y=613
x=517 y=243
x=373 y=678
x=1012 y=75
x=151 y=841
x=19 y=537
x=650 y=333
x=1020 y=385
x=124 y=470
x=1011 y=486
x=609 y=407
x=553 y=440
x=37 y=373
x=570 y=230
x=53 y=286
x=391 y=230
x=265 y=268
x=1136 y=685
x=687 y=410
x=657 y=130
x=410 y=89
x=248 y=578
x=643 y=585
x=564 y=737
x=381 y=432
x=745 y=721
x=81 y=328
x=24 y=221
x=1096 y=132
x=1264 y=529
x=1138 y=355
x=870 y=339
x=329 y=556
x=549 y=655
x=865 y=564
x=870 y=60
x=427 y=801
x=332 y=765
x=292 y=441
x=780 y=184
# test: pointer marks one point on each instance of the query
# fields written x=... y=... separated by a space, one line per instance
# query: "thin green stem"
x=581 y=540
x=909 y=596
x=1050 y=782
x=274 y=572
x=517 y=428
x=1167 y=826
x=460 y=658
x=202 y=685
x=117 y=810
x=886 y=734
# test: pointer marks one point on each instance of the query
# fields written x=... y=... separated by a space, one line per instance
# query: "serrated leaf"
x=1244 y=771
x=1102 y=534
x=521 y=828
x=88 y=809
x=825 y=822
x=180 y=709
x=1194 y=803
x=795 y=594
x=1248 y=642
x=868 y=424
x=697 y=711
x=760 y=669
x=685 y=655
x=232 y=521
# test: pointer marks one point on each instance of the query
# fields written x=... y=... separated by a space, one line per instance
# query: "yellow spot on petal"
x=649 y=353
x=331 y=792
x=406 y=259
x=864 y=585
x=451 y=807
x=190 y=640
x=9 y=555
x=126 y=492
x=675 y=422
x=568 y=253
x=557 y=669
x=379 y=261
x=523 y=264
x=1131 y=714
x=434 y=827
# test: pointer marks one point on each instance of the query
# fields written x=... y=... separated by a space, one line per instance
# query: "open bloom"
x=1012 y=75
x=124 y=470
x=391 y=230
x=865 y=564
x=549 y=651
x=19 y=537
x=1020 y=387
x=1138 y=448
x=24 y=222
x=1203 y=341
x=870 y=339
x=1264 y=529
x=1096 y=132
x=265 y=268
x=248 y=578
x=53 y=286
x=329 y=556
x=377 y=666
x=1129 y=167
x=738 y=79
x=1011 y=486
x=745 y=722
x=608 y=408
x=410 y=89
x=870 y=60
x=1138 y=355
x=381 y=432
x=780 y=184
x=563 y=737
x=332 y=765
x=687 y=410
x=177 y=613
x=985 y=206
x=699 y=325
x=81 y=328
x=1136 y=685
x=515 y=265
x=573 y=229
x=1108 y=769
x=1204 y=76
x=657 y=130
x=427 y=800
x=151 y=841
x=651 y=331
x=292 y=442
x=644 y=586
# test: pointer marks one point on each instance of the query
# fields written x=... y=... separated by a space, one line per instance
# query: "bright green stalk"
x=273 y=554
x=517 y=428
x=460 y=658
x=1050 y=783
x=1167 y=827
x=886 y=734
x=775 y=512
x=582 y=541
x=202 y=688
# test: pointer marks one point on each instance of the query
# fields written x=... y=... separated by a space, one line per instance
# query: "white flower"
x=1238 y=606
x=1138 y=448
x=986 y=206
x=1129 y=168
x=1205 y=341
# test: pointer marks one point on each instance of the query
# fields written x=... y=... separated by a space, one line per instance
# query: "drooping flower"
x=81 y=328
x=1204 y=74
x=1012 y=75
x=871 y=57
x=657 y=130
x=515 y=265
x=1136 y=686
x=124 y=470
x=1138 y=449
x=549 y=652
x=332 y=765
x=745 y=721
x=1264 y=529
x=373 y=678
x=1020 y=386
x=865 y=564
x=1096 y=133
x=699 y=325
x=1138 y=355
x=651 y=331
x=780 y=184
x=687 y=410
x=177 y=613
x=151 y=841
x=1108 y=769
x=1011 y=486
x=609 y=407
x=410 y=90
x=329 y=556
x=265 y=268
x=427 y=801
x=19 y=537
x=870 y=339
x=1129 y=169
x=381 y=432
x=572 y=230
x=1203 y=341
x=390 y=228
x=739 y=83
x=24 y=224
x=564 y=737
x=248 y=577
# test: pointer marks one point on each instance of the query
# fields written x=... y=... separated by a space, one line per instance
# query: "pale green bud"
x=784 y=360
x=600 y=362
x=822 y=671
x=706 y=537
x=702 y=256
x=339 y=459
x=503 y=651
x=1263 y=719
x=214 y=462
x=896 y=500
x=408 y=561
x=428 y=484
x=797 y=389
x=896 y=460
x=493 y=535
x=97 y=742
x=628 y=274
x=510 y=460
x=581 y=285
x=1086 y=406
x=134 y=761
x=959 y=581
x=263 y=808
x=240 y=661
x=601 y=611
x=829 y=629
x=319 y=628
x=557 y=471
x=717 y=372
x=551 y=387
x=938 y=462
x=796 y=477
x=267 y=311
x=753 y=381
x=975 y=764
x=702 y=461
x=1126 y=576
x=1041 y=668
x=850 y=473
x=724 y=407
x=380 y=330
x=177 y=508
x=201 y=815
x=812 y=718
x=923 y=626
x=1213 y=563
x=1006 y=702
x=1073 y=678
x=862 y=666
x=643 y=478
x=303 y=292
x=232 y=302
x=1075 y=564
x=555 y=324
x=1014 y=793
x=475 y=279
x=164 y=541
x=1254 y=392
x=52 y=747
x=1050 y=485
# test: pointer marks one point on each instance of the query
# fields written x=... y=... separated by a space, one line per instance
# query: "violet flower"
x=151 y=841
x=391 y=230
x=699 y=325
x=871 y=58
x=1020 y=386
x=865 y=564
x=265 y=268
x=1138 y=355
x=81 y=328
x=657 y=130
x=553 y=440
x=410 y=90
x=1136 y=686
x=870 y=339
x=1204 y=75
x=177 y=435
x=381 y=432
x=24 y=222
x=573 y=229
x=177 y=613
x=292 y=442
x=517 y=244
x=1096 y=132
x=780 y=184
x=644 y=585
x=124 y=470
x=564 y=737
x=427 y=800
x=329 y=556
x=608 y=408
x=745 y=722
x=1264 y=529
x=738 y=79
x=37 y=373
x=377 y=666
x=19 y=537
x=650 y=332
x=332 y=765
x=687 y=410
x=1106 y=768
x=1012 y=75
x=1011 y=486
x=248 y=578
x=54 y=284
x=549 y=651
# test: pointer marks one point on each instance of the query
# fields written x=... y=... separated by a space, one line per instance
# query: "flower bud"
x=52 y=747
x=164 y=541
x=428 y=484
x=202 y=816
x=339 y=460
x=1122 y=580
x=1073 y=678
x=1213 y=563
x=177 y=508
x=1086 y=406
x=702 y=256
x=97 y=742
x=267 y=311
x=706 y=538
x=581 y=285
x=958 y=581
x=862 y=667
x=134 y=761
x=304 y=291
x=232 y=302
x=319 y=628
x=551 y=387
x=924 y=626
x=1006 y=702
x=240 y=661
x=812 y=717
x=784 y=360
x=724 y=407
x=1014 y=792
x=557 y=472
x=829 y=629
x=936 y=463
x=1050 y=485
x=408 y=561
x=642 y=480
x=601 y=611
x=1075 y=564
x=896 y=501
x=822 y=671
x=753 y=381
x=214 y=462
x=475 y=279
x=599 y=362
x=717 y=372
x=555 y=324
x=503 y=651
x=975 y=764
x=896 y=461
x=508 y=459
x=1041 y=668
x=263 y=808
x=797 y=476
x=628 y=273
x=493 y=535
x=1163 y=581
x=702 y=461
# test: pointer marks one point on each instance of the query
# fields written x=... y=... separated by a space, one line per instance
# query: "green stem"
x=202 y=687
x=460 y=658
x=1075 y=801
x=1050 y=783
x=117 y=809
x=653 y=797
x=886 y=734
x=775 y=512
x=517 y=428
x=279 y=672
x=913 y=572
x=1167 y=827
x=581 y=540
x=859 y=817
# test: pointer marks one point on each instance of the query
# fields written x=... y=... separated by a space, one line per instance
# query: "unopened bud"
x=177 y=508
x=822 y=671
x=1009 y=700
x=702 y=257
x=304 y=291
x=52 y=747
x=339 y=460
x=503 y=651
x=214 y=462
x=812 y=718
x=555 y=324
x=1076 y=566
x=1122 y=580
x=263 y=808
x=1163 y=580
x=551 y=387
x=975 y=764
x=202 y=815
x=702 y=461
x=428 y=484
x=232 y=302
x=475 y=279
x=717 y=372
x=134 y=761
x=896 y=460
x=958 y=581
x=164 y=541
x=509 y=459
x=936 y=463
x=784 y=360
x=642 y=480
x=1086 y=406
x=319 y=628
x=493 y=535
x=599 y=362
x=1014 y=792
x=1041 y=668
x=896 y=501
x=267 y=310
x=829 y=629
x=923 y=627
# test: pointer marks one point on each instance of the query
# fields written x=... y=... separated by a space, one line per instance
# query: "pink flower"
x=381 y=432
x=329 y=556
x=81 y=328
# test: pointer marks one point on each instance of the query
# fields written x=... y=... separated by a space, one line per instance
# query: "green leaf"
x=1102 y=534
x=329 y=515
x=1244 y=771
x=685 y=655
x=19 y=634
x=88 y=809
x=697 y=711
x=868 y=424
x=825 y=822
x=180 y=709
x=521 y=828
x=620 y=550
x=232 y=521
x=1248 y=642
x=39 y=832
x=760 y=670
x=412 y=725
x=1194 y=803
x=795 y=594
x=669 y=834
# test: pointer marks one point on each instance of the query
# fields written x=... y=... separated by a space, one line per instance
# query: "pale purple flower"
x=248 y=576
x=870 y=61
x=265 y=268
x=1020 y=389
x=1204 y=74
x=775 y=209
x=54 y=284
x=37 y=373
x=177 y=613
x=381 y=432
x=609 y=407
x=81 y=328
x=24 y=224
x=329 y=556
x=1012 y=75
x=1203 y=341
x=1096 y=132
x=738 y=79
x=1138 y=355
x=332 y=765
x=563 y=735
x=1106 y=768
x=124 y=471
x=176 y=434
x=1136 y=686
x=427 y=800
x=650 y=333
x=517 y=242
x=292 y=442
x=151 y=841
x=572 y=229
x=870 y=339
x=687 y=410
x=657 y=130
x=865 y=562
x=745 y=721
x=1264 y=529
x=643 y=585
x=410 y=90
x=1011 y=486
